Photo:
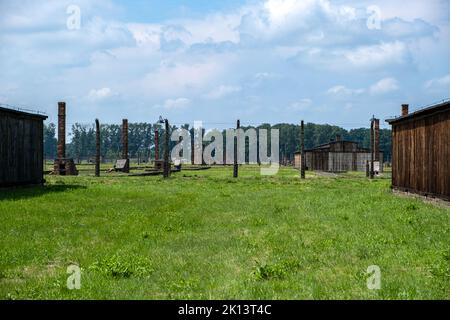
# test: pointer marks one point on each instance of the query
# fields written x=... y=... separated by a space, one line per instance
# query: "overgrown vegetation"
x=206 y=235
x=117 y=266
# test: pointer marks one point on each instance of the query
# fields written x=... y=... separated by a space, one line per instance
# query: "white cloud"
x=216 y=27
x=431 y=10
x=280 y=10
x=438 y=83
x=300 y=105
x=276 y=50
x=262 y=78
x=377 y=55
x=60 y=47
x=341 y=90
x=383 y=86
x=348 y=12
x=182 y=78
x=277 y=18
x=398 y=28
x=27 y=16
x=174 y=104
x=222 y=91
x=100 y=94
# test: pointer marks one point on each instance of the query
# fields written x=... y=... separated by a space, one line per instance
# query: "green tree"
x=50 y=141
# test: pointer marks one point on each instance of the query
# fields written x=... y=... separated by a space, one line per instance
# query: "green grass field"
x=205 y=235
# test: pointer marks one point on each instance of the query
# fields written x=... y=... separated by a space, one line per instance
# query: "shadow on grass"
x=24 y=192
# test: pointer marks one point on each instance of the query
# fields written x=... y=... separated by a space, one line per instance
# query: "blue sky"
x=336 y=62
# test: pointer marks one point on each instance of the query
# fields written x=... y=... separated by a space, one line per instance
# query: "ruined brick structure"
x=126 y=166
x=63 y=166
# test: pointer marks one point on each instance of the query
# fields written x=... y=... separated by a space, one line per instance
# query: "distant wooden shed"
x=337 y=156
x=421 y=151
x=21 y=147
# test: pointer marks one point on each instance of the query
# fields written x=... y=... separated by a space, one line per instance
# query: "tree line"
x=141 y=138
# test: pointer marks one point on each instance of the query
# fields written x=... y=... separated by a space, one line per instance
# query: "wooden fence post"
x=302 y=150
x=156 y=144
x=125 y=145
x=166 y=150
x=235 y=166
x=193 y=147
x=97 y=148
x=367 y=169
x=372 y=140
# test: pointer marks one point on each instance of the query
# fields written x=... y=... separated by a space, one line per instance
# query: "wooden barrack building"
x=337 y=156
x=421 y=151
x=21 y=147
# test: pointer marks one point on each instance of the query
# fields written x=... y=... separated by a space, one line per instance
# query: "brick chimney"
x=61 y=130
x=124 y=139
x=405 y=109
x=338 y=137
x=63 y=166
x=376 y=144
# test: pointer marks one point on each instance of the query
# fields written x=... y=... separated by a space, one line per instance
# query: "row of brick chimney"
x=64 y=166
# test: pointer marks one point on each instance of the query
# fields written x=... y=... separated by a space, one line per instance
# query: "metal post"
x=235 y=166
x=166 y=150
x=302 y=150
x=97 y=148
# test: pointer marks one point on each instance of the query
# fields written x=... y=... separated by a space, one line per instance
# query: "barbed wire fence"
x=143 y=152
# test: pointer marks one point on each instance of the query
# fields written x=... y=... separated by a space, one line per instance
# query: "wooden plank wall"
x=319 y=160
x=337 y=161
x=21 y=149
x=340 y=161
x=421 y=155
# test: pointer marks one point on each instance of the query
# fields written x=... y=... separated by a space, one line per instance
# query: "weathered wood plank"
x=420 y=154
x=21 y=148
